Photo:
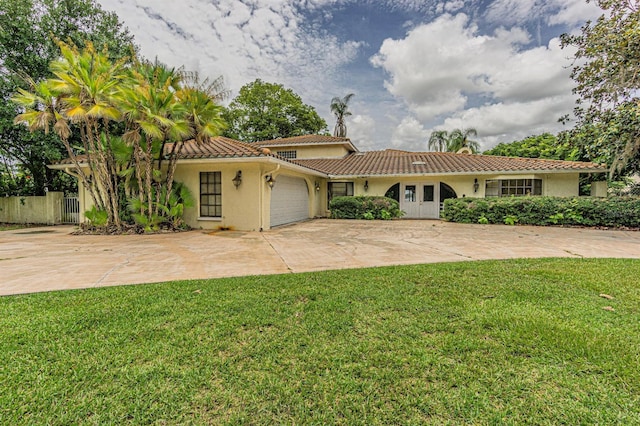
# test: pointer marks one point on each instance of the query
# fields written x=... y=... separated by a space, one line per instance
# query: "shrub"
x=364 y=207
x=97 y=218
x=581 y=211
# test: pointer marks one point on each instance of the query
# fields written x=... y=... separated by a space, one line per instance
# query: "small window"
x=210 y=194
x=288 y=154
x=428 y=193
x=340 y=189
x=410 y=193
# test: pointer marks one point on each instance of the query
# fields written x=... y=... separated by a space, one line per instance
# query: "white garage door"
x=289 y=200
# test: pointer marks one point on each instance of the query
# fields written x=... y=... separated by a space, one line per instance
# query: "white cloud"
x=574 y=12
x=446 y=70
x=506 y=122
x=553 y=12
x=361 y=129
x=438 y=65
x=410 y=134
x=242 y=40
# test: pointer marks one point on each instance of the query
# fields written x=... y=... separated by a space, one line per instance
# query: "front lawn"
x=523 y=341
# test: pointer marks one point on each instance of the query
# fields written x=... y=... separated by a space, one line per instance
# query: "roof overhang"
x=267 y=160
x=468 y=173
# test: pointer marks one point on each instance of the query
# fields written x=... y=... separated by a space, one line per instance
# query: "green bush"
x=364 y=207
x=97 y=218
x=580 y=211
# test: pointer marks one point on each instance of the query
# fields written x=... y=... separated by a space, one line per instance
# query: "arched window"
x=393 y=192
x=446 y=192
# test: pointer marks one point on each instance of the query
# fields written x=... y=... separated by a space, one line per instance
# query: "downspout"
x=262 y=189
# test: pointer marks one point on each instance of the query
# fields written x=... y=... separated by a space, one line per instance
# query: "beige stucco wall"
x=561 y=185
x=463 y=185
x=247 y=207
x=46 y=209
x=240 y=206
x=556 y=185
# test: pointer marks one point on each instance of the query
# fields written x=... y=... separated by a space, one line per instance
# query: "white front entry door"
x=420 y=200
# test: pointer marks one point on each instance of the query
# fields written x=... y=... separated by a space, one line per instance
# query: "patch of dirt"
x=86 y=229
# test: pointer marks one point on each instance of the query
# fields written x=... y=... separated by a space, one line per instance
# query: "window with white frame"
x=513 y=187
x=210 y=194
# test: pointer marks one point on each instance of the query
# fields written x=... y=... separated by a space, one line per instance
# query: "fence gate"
x=71 y=210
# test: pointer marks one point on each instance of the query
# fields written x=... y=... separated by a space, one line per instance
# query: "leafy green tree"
x=130 y=117
x=28 y=29
x=438 y=140
x=264 y=111
x=606 y=66
x=545 y=146
x=340 y=108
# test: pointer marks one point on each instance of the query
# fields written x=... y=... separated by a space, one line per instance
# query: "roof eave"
x=465 y=173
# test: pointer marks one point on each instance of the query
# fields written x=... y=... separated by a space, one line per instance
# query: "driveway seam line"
x=264 y=236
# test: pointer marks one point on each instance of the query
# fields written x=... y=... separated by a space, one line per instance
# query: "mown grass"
x=496 y=342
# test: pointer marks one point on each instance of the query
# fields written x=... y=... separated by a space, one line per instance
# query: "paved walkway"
x=49 y=258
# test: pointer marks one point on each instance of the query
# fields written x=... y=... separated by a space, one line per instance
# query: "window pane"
x=428 y=193
x=410 y=193
x=210 y=194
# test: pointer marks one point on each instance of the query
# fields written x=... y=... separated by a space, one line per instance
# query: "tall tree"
x=605 y=69
x=145 y=103
x=544 y=145
x=340 y=108
x=28 y=29
x=264 y=111
x=438 y=140
x=460 y=138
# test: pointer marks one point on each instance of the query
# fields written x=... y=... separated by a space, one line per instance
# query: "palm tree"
x=83 y=93
x=340 y=108
x=439 y=140
x=153 y=105
x=459 y=138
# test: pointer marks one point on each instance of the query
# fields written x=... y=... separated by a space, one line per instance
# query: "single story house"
x=256 y=186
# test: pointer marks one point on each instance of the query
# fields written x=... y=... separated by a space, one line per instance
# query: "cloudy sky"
x=414 y=65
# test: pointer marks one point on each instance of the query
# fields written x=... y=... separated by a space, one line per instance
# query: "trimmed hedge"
x=581 y=211
x=364 y=207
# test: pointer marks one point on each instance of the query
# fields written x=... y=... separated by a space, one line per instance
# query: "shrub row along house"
x=256 y=186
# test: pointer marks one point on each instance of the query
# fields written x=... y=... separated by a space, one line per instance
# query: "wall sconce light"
x=238 y=179
x=317 y=185
x=366 y=185
x=476 y=185
x=270 y=180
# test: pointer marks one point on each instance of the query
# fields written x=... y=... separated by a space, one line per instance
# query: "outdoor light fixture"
x=317 y=185
x=238 y=179
x=476 y=185
x=270 y=180
x=366 y=185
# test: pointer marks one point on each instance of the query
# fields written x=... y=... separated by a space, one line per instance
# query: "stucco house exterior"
x=260 y=185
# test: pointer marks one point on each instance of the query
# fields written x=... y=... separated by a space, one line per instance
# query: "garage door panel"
x=289 y=200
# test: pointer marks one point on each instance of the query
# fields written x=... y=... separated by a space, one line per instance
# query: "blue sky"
x=414 y=66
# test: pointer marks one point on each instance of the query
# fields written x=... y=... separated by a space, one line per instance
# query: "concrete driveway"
x=50 y=258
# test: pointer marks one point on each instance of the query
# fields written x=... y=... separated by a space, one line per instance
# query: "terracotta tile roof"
x=219 y=147
x=306 y=140
x=395 y=162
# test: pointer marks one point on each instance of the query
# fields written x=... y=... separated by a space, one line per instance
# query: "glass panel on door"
x=428 y=193
x=410 y=193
